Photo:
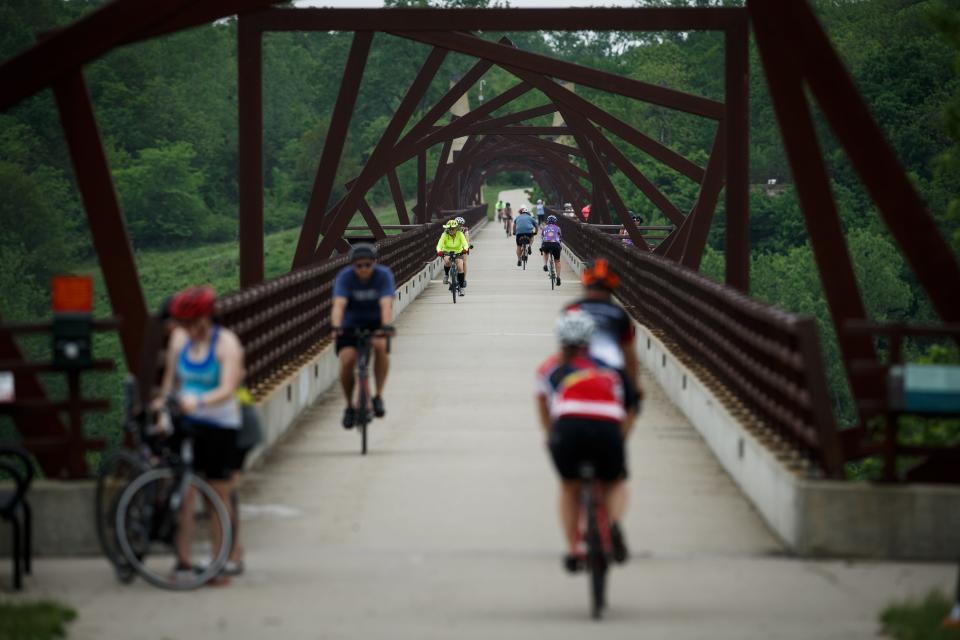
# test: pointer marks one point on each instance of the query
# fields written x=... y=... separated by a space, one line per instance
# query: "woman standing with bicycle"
x=586 y=410
x=204 y=368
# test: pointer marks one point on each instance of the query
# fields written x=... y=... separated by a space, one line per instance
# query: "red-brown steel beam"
x=422 y=213
x=438 y=176
x=813 y=186
x=250 y=143
x=107 y=226
x=397 y=194
x=497 y=19
x=737 y=173
x=383 y=158
x=506 y=55
x=701 y=215
x=333 y=147
x=500 y=122
x=874 y=160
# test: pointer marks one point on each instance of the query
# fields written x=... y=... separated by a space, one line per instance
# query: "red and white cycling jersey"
x=584 y=388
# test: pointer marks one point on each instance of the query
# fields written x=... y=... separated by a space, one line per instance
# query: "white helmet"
x=539 y=201
x=574 y=328
x=524 y=210
x=461 y=221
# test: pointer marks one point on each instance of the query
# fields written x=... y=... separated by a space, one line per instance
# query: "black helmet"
x=363 y=250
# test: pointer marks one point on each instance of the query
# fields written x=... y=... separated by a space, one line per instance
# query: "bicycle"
x=551 y=271
x=595 y=533
x=455 y=287
x=115 y=472
x=525 y=251
x=148 y=516
x=364 y=411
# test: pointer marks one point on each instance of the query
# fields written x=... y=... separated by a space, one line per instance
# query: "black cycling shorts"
x=574 y=441
x=524 y=238
x=553 y=248
x=214 y=450
x=348 y=339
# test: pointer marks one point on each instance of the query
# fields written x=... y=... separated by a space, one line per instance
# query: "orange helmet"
x=599 y=274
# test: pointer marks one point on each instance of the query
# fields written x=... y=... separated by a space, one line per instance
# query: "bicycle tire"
x=142 y=489
x=596 y=561
x=363 y=406
x=454 y=281
x=116 y=472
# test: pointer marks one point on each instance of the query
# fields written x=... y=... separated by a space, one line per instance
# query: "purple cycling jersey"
x=550 y=233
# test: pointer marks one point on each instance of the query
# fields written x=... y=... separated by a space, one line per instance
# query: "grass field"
x=35 y=621
x=919 y=620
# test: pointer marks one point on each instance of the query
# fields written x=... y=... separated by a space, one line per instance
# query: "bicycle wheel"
x=597 y=565
x=116 y=471
x=148 y=515
x=454 y=280
x=363 y=415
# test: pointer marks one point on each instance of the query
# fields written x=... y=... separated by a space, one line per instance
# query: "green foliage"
x=918 y=620
x=34 y=621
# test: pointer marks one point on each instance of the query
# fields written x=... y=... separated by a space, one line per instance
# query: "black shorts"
x=214 y=450
x=574 y=441
x=540 y=218
x=524 y=238
x=350 y=340
x=553 y=248
x=238 y=457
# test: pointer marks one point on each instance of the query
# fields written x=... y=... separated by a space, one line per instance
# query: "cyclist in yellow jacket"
x=453 y=241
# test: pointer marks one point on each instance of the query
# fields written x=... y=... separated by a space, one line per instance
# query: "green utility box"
x=72 y=341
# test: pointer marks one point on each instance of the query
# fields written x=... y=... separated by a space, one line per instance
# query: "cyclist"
x=586 y=410
x=462 y=224
x=540 y=212
x=508 y=217
x=499 y=209
x=624 y=236
x=525 y=227
x=204 y=365
x=550 y=240
x=362 y=299
x=452 y=240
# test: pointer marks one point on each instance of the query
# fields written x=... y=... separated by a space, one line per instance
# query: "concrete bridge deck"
x=448 y=528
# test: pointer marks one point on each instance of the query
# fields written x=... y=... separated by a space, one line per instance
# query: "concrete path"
x=448 y=528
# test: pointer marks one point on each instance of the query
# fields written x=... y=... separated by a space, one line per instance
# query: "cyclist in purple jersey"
x=550 y=241
x=362 y=299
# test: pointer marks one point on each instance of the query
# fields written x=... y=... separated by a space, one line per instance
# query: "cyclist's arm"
x=440 y=244
x=336 y=312
x=386 y=310
x=178 y=340
x=543 y=412
x=630 y=363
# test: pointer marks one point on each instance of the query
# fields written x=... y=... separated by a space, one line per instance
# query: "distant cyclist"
x=624 y=236
x=499 y=209
x=586 y=410
x=462 y=224
x=540 y=212
x=362 y=299
x=524 y=227
x=453 y=241
x=508 y=217
x=550 y=241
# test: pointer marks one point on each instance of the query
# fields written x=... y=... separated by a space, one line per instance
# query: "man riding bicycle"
x=453 y=241
x=462 y=224
x=524 y=227
x=508 y=217
x=550 y=240
x=362 y=299
x=586 y=410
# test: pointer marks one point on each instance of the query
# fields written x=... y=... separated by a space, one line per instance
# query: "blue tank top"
x=197 y=378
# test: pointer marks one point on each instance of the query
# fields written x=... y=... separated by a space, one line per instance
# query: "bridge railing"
x=767 y=358
x=286 y=320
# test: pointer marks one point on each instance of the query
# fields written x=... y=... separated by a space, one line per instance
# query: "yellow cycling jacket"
x=456 y=244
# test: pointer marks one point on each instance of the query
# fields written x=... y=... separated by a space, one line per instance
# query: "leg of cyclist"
x=348 y=361
x=570 y=514
x=545 y=255
x=381 y=367
x=446 y=270
x=461 y=272
x=184 y=536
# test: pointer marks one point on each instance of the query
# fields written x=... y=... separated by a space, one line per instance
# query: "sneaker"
x=558 y=281
x=460 y=291
x=446 y=279
x=573 y=563
x=232 y=568
x=518 y=262
x=182 y=573
x=349 y=417
x=378 y=408
x=545 y=267
x=620 y=553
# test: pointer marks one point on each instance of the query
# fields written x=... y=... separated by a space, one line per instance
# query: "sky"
x=513 y=3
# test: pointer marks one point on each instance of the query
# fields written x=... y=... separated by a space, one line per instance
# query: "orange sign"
x=72 y=294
